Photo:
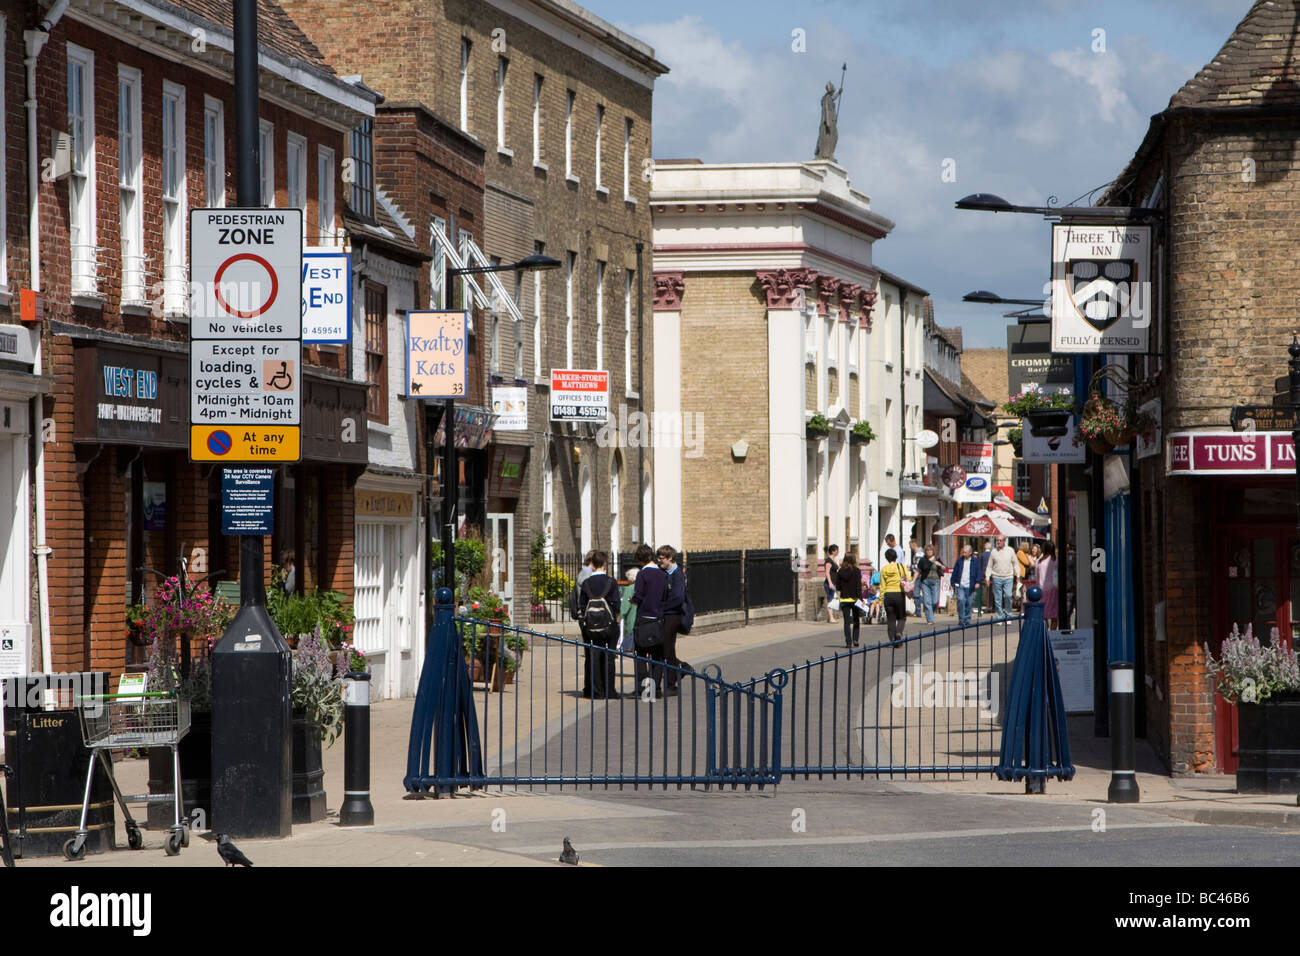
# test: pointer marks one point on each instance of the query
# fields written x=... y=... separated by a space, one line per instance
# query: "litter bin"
x=49 y=760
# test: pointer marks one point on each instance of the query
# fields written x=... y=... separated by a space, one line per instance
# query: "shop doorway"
x=1257 y=583
x=381 y=602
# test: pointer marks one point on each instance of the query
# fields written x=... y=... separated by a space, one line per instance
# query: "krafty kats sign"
x=579 y=395
x=437 y=354
x=1101 y=288
x=1230 y=453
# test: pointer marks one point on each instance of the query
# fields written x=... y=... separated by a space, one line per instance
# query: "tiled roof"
x=275 y=29
x=986 y=370
x=952 y=334
x=1259 y=65
x=970 y=390
x=385 y=230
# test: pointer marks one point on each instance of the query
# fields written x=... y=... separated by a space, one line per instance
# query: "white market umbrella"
x=989 y=524
x=1033 y=518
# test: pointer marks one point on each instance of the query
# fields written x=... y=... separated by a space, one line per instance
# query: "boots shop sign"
x=1230 y=453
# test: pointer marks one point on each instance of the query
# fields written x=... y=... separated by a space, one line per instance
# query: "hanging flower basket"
x=1049 y=422
x=1121 y=436
x=1100 y=445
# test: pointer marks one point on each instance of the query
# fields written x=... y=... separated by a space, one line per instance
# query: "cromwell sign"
x=1230 y=453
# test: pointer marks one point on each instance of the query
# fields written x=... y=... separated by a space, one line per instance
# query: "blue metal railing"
x=531 y=725
x=930 y=705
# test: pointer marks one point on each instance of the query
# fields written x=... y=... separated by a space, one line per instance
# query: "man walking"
x=1002 y=572
x=965 y=575
x=596 y=606
x=889 y=545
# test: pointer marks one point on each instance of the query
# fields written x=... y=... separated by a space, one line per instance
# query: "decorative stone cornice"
x=827 y=287
x=849 y=292
x=669 y=287
x=867 y=307
x=782 y=286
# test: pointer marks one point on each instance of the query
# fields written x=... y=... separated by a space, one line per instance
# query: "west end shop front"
x=1244 y=485
x=130 y=501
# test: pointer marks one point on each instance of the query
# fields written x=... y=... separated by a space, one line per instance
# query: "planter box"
x=1049 y=423
x=308 y=771
x=1268 y=746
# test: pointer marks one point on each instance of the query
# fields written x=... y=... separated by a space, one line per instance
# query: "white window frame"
x=266 y=159
x=600 y=315
x=519 y=327
x=326 y=211
x=627 y=161
x=629 y=279
x=494 y=328
x=539 y=248
x=174 y=263
x=570 y=100
x=214 y=152
x=503 y=67
x=81 y=211
x=130 y=176
x=853 y=345
x=465 y=45
x=832 y=338
x=4 y=243
x=538 y=80
x=296 y=193
x=600 y=136
x=810 y=335
x=570 y=277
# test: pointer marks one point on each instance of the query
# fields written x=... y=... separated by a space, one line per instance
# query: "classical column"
x=783 y=289
x=667 y=422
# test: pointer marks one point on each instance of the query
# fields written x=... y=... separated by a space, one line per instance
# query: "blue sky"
x=1018 y=94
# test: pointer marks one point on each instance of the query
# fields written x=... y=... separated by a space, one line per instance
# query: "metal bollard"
x=1123 y=777
x=357 y=810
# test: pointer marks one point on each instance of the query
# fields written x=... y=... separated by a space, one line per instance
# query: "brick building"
x=1213 y=518
x=143 y=92
x=560 y=102
x=768 y=312
x=422 y=170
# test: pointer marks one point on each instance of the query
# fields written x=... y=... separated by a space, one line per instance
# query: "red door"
x=1257 y=577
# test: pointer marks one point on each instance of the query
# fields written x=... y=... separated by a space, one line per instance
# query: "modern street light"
x=1035 y=316
x=450 y=480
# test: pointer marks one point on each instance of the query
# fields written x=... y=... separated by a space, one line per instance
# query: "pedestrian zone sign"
x=246 y=335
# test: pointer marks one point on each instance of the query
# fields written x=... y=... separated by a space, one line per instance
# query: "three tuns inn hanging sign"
x=1101 y=288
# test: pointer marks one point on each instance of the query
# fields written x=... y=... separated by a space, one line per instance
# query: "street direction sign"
x=246 y=304
x=1263 y=418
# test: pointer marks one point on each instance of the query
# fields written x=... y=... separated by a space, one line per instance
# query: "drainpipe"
x=35 y=41
x=902 y=406
x=640 y=390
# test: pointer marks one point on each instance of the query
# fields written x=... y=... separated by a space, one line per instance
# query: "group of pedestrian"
x=652 y=605
x=1005 y=572
x=999 y=572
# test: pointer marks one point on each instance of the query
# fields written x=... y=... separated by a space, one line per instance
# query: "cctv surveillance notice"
x=246 y=335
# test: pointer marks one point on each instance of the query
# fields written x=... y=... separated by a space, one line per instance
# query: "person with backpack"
x=596 y=605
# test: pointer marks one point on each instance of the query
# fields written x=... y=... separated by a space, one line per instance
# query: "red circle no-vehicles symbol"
x=221 y=271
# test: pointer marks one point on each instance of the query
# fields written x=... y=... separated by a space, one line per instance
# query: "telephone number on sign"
x=578 y=411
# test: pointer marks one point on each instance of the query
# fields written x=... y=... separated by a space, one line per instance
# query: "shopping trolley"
x=111 y=721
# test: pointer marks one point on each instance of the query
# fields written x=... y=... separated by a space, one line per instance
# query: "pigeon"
x=570 y=855
x=231 y=853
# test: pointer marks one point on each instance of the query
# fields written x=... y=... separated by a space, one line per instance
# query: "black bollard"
x=1123 y=776
x=357 y=811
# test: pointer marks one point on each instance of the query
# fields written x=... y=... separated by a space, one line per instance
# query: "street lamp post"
x=1294 y=365
x=450 y=479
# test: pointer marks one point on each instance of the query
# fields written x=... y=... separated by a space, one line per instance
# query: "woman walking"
x=829 y=570
x=892 y=576
x=1045 y=577
x=849 y=583
x=929 y=573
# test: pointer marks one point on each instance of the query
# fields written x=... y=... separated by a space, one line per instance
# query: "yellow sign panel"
x=242 y=443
